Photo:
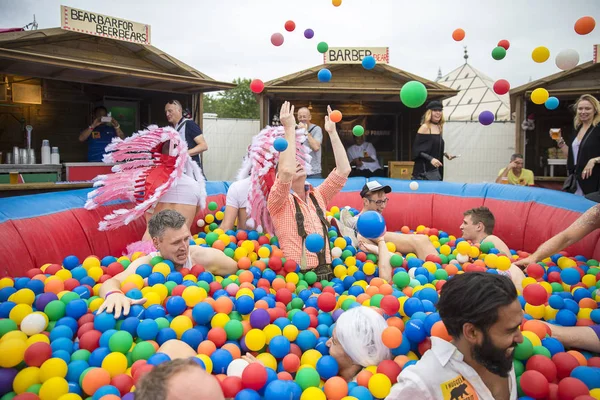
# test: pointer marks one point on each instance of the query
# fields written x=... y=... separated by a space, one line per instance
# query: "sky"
x=226 y=39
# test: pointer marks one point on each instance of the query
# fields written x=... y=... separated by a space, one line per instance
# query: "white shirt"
x=442 y=374
x=237 y=194
x=356 y=151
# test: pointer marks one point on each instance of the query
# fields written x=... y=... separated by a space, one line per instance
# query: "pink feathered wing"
x=138 y=156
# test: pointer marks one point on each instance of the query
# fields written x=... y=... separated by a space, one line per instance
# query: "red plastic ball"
x=424 y=345
x=114 y=268
x=534 y=384
x=291 y=363
x=593 y=362
x=389 y=368
x=231 y=386
x=213 y=287
x=136 y=365
x=284 y=296
x=535 y=271
x=565 y=363
x=89 y=317
x=217 y=335
x=141 y=371
x=90 y=340
x=289 y=26
x=37 y=353
x=544 y=365
x=275 y=264
x=123 y=382
x=26 y=396
x=554 y=277
x=197 y=270
x=501 y=86
x=570 y=388
x=263 y=239
x=289 y=266
x=326 y=302
x=390 y=304
x=504 y=43
x=33 y=272
x=535 y=294
x=254 y=376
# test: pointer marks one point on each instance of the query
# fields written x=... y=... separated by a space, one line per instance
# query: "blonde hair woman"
x=583 y=150
x=428 y=148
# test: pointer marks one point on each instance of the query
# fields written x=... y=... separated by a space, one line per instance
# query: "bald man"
x=178 y=380
x=314 y=136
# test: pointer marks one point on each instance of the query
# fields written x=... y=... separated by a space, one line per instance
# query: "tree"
x=238 y=102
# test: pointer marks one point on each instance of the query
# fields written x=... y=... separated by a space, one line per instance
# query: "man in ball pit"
x=580 y=337
x=170 y=236
x=483 y=316
x=374 y=198
x=297 y=209
x=178 y=379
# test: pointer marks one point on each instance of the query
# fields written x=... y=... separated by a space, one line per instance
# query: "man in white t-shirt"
x=363 y=156
x=483 y=316
x=235 y=206
x=314 y=139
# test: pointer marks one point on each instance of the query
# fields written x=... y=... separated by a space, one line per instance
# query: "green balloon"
x=358 y=130
x=213 y=226
x=81 y=354
x=155 y=260
x=346 y=254
x=592 y=263
x=120 y=341
x=55 y=310
x=332 y=234
x=413 y=94
x=519 y=367
x=322 y=47
x=226 y=282
x=35 y=388
x=162 y=322
x=310 y=277
x=297 y=303
x=523 y=350
x=520 y=392
x=485 y=247
x=401 y=279
x=9 y=396
x=69 y=297
x=211 y=238
x=142 y=351
x=498 y=53
x=291 y=312
x=234 y=329
x=7 y=325
x=396 y=260
x=542 y=351
x=376 y=300
x=229 y=252
x=212 y=206
x=556 y=287
x=125 y=263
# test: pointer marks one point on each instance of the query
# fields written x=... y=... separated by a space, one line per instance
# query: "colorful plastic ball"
x=379 y=385
x=290 y=26
x=322 y=47
x=498 y=53
x=567 y=59
x=413 y=94
x=324 y=75
x=13 y=351
x=539 y=96
x=236 y=367
x=280 y=144
x=309 y=33
x=147 y=329
x=279 y=346
x=336 y=3
x=175 y=305
x=221 y=360
x=458 y=34
x=570 y=276
x=590 y=376
x=53 y=388
x=115 y=364
x=534 y=384
x=544 y=365
x=327 y=367
x=254 y=376
x=53 y=367
x=501 y=86
x=368 y=62
x=94 y=379
x=371 y=224
x=277 y=39
x=33 y=323
x=552 y=103
x=535 y=294
x=307 y=377
x=413 y=185
x=540 y=54
x=415 y=331
x=335 y=116
x=121 y=342
x=314 y=242
x=358 y=130
x=326 y=302
x=486 y=117
x=37 y=353
x=571 y=388
x=504 y=44
x=70 y=262
x=257 y=86
x=585 y=25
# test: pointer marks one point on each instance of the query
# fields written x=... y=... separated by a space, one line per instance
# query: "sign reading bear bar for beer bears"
x=355 y=55
x=90 y=23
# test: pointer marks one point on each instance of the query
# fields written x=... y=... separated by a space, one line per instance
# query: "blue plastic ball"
x=104 y=321
x=279 y=346
x=324 y=75
x=306 y=340
x=570 y=276
x=314 y=242
x=158 y=358
x=552 y=103
x=221 y=360
x=176 y=305
x=415 y=331
x=370 y=224
x=301 y=320
x=76 y=309
x=368 y=62
x=165 y=334
x=280 y=144
x=566 y=318
x=104 y=390
x=327 y=367
x=193 y=337
x=70 y=262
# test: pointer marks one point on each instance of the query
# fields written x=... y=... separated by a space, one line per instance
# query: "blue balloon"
x=324 y=75
x=370 y=224
x=221 y=360
x=552 y=103
x=415 y=330
x=314 y=242
x=368 y=62
x=327 y=367
x=280 y=144
x=486 y=117
x=301 y=320
x=158 y=358
x=570 y=276
x=176 y=305
x=76 y=309
x=588 y=375
x=279 y=346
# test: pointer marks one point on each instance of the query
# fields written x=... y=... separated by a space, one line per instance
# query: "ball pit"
x=52 y=343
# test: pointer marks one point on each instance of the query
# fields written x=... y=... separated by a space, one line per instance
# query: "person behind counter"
x=100 y=133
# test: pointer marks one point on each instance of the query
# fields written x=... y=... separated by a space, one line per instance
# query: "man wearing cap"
x=374 y=199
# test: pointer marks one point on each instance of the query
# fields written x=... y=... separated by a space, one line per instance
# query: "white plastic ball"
x=259 y=229
x=411 y=273
x=33 y=324
x=336 y=252
x=236 y=367
x=413 y=185
x=250 y=223
x=462 y=258
x=567 y=59
x=200 y=223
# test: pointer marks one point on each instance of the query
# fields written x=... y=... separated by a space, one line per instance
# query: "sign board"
x=354 y=55
x=596 y=53
x=73 y=19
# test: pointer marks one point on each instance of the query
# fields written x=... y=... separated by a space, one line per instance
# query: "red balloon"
x=594 y=362
x=535 y=294
x=115 y=268
x=389 y=304
x=33 y=272
x=217 y=335
x=535 y=271
x=284 y=296
x=277 y=39
x=501 y=86
x=289 y=26
x=26 y=396
x=37 y=353
x=290 y=266
x=389 y=368
x=275 y=264
x=123 y=382
x=544 y=365
x=326 y=302
x=434 y=257
x=90 y=340
x=534 y=384
x=254 y=376
x=424 y=345
x=231 y=386
x=569 y=388
x=504 y=43
x=565 y=363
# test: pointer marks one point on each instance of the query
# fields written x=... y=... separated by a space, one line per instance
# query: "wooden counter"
x=20 y=189
x=549 y=182
x=6 y=169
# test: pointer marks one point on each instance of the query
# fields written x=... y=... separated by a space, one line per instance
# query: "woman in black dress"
x=428 y=148
x=583 y=150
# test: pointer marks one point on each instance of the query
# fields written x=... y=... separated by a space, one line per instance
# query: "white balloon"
x=462 y=258
x=236 y=367
x=336 y=252
x=411 y=273
x=414 y=185
x=567 y=59
x=33 y=324
x=200 y=223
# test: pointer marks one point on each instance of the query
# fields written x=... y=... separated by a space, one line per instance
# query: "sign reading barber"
x=355 y=55
x=73 y=19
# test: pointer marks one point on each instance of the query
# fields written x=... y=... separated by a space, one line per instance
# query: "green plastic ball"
x=55 y=310
x=212 y=206
x=234 y=329
x=142 y=351
x=498 y=53
x=358 y=130
x=322 y=47
x=413 y=94
x=120 y=341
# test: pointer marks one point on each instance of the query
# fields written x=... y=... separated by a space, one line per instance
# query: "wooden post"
x=519 y=134
x=263 y=102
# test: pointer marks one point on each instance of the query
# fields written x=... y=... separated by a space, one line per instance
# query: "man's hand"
x=523 y=263
x=286 y=115
x=329 y=125
x=512 y=165
x=96 y=122
x=436 y=163
x=117 y=302
x=114 y=122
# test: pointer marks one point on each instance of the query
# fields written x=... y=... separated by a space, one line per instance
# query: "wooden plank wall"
x=66 y=109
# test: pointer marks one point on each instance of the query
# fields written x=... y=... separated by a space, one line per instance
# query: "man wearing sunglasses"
x=374 y=199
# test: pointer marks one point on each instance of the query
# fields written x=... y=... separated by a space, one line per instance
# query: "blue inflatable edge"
x=31 y=206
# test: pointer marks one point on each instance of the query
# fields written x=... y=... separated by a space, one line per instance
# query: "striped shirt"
x=280 y=205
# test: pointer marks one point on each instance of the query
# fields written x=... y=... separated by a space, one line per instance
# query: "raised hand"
x=329 y=125
x=286 y=115
x=118 y=302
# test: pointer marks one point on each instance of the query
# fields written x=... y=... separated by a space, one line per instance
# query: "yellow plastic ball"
x=239 y=253
x=115 y=363
x=292 y=277
x=219 y=215
x=589 y=281
x=23 y=296
x=255 y=339
x=180 y=324
x=536 y=312
x=208 y=364
x=584 y=313
x=137 y=280
x=244 y=292
x=53 y=367
x=64 y=274
x=193 y=295
x=14 y=335
x=70 y=396
x=161 y=290
x=380 y=386
x=474 y=252
x=595 y=393
x=209 y=219
x=313 y=393
x=190 y=277
x=391 y=247
x=6 y=282
x=490 y=260
x=350 y=261
x=151 y=299
x=550 y=313
x=503 y=263
x=268 y=360
x=271 y=331
x=463 y=248
x=339 y=271
x=533 y=338
x=290 y=332
x=445 y=249
x=12 y=352
x=225 y=239
x=565 y=262
x=219 y=320
x=53 y=388
x=334 y=209
x=95 y=304
x=310 y=357
x=369 y=268
x=264 y=252
x=95 y=273
x=340 y=242
x=38 y=337
x=90 y=262
x=19 y=312
x=528 y=281
x=25 y=379
x=162 y=268
x=430 y=266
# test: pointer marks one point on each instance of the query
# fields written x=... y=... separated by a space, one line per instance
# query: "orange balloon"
x=391 y=337
x=223 y=305
x=362 y=297
x=363 y=377
x=206 y=347
x=588 y=303
x=54 y=286
x=336 y=3
x=585 y=25
x=439 y=330
x=397 y=322
x=335 y=115
x=580 y=357
x=336 y=388
x=244 y=263
x=94 y=380
x=233 y=349
x=458 y=34
x=537 y=327
x=405 y=229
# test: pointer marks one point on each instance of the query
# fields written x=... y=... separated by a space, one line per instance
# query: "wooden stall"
x=52 y=79
x=365 y=97
x=540 y=151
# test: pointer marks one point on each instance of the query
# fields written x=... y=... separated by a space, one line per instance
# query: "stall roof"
x=352 y=81
x=584 y=78
x=70 y=56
